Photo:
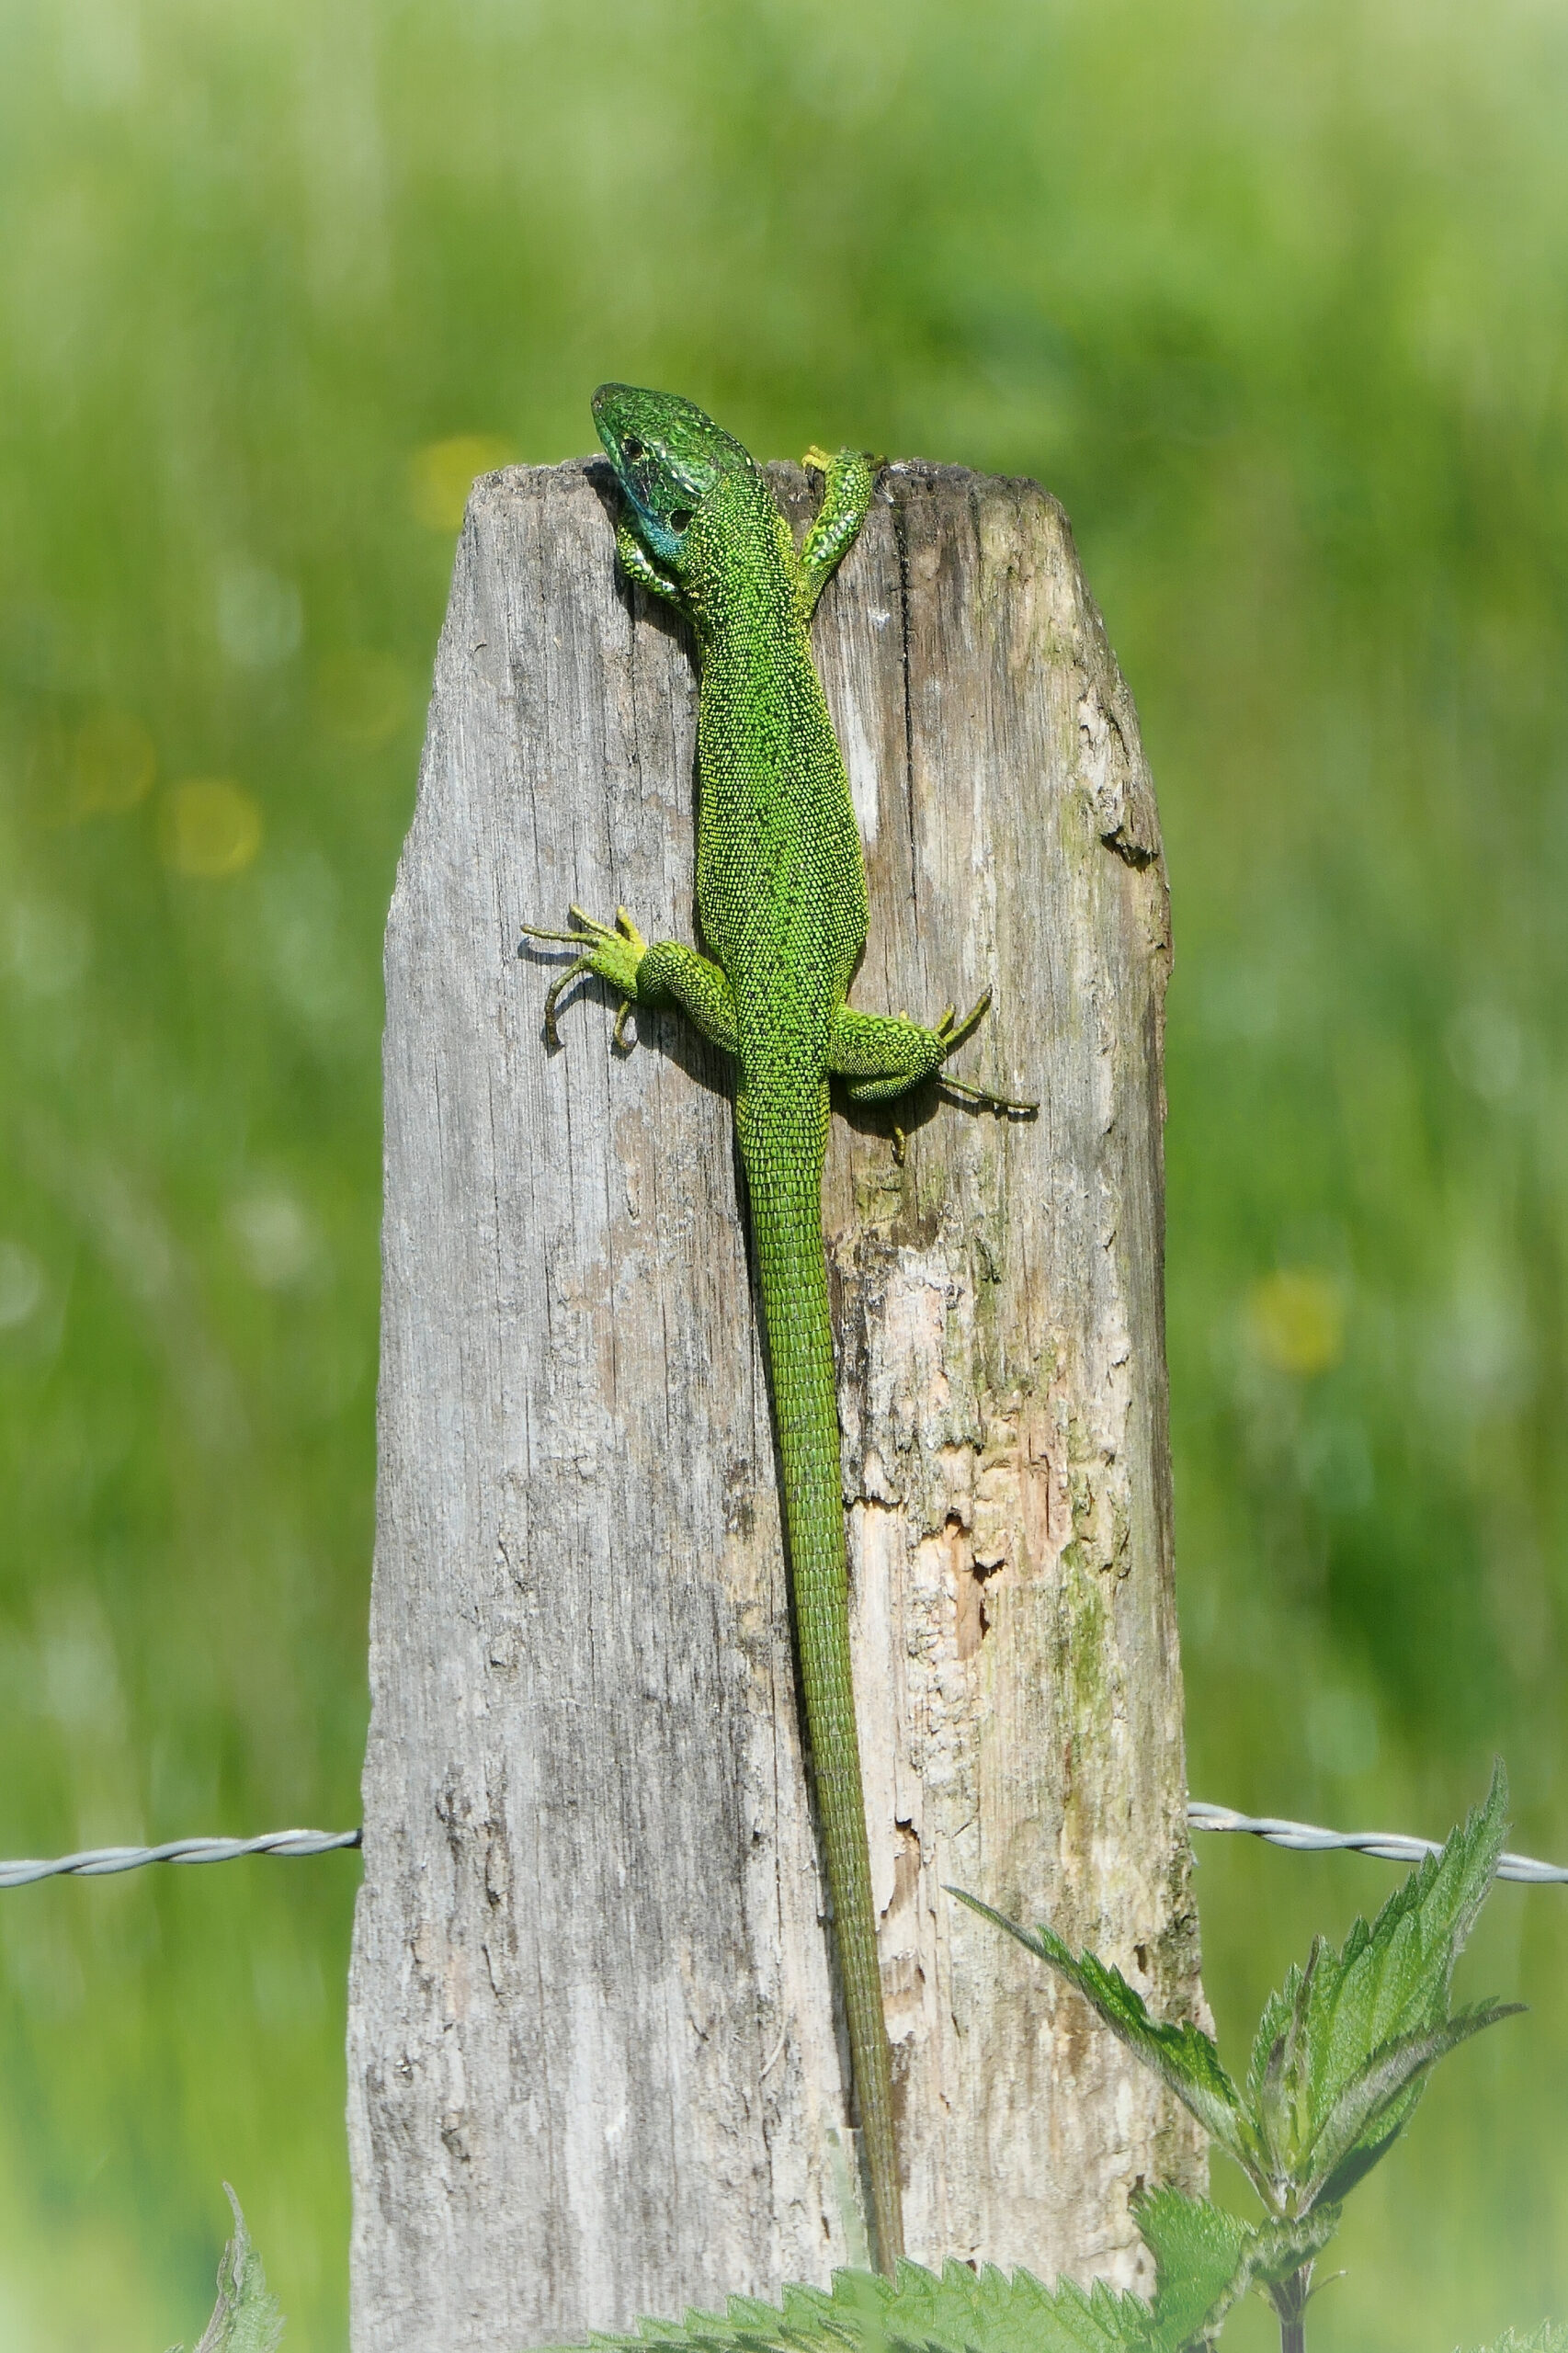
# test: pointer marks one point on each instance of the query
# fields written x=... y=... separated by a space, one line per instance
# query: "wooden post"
x=595 y=2064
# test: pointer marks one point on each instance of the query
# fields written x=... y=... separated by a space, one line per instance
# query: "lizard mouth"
x=634 y=462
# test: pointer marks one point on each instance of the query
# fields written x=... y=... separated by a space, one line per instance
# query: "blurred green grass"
x=1274 y=297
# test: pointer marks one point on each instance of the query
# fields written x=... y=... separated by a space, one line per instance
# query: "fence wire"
x=99 y=1862
x=1387 y=1845
x=1297 y=1837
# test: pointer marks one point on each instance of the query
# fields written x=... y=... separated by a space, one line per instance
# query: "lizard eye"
x=679 y=517
x=631 y=449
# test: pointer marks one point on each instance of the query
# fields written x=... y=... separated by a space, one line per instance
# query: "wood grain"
x=595 y=2065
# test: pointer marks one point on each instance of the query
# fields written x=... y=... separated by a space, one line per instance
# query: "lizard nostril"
x=632 y=447
x=679 y=517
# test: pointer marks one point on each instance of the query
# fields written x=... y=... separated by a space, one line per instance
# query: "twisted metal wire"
x=1388 y=1845
x=1297 y=1837
x=97 y=1862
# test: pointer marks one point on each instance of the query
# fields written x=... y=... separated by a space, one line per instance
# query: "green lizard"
x=781 y=895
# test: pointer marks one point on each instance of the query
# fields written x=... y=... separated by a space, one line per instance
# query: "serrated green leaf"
x=1393 y=1980
x=960 y=2310
x=1206 y=2261
x=1181 y=2056
x=1550 y=2337
x=246 y=2319
x=1330 y=2038
x=1198 y=2251
x=1361 y=2116
x=1278 y=2071
x=1372 y=2149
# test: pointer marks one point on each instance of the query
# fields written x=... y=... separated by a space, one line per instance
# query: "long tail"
x=783 y=1156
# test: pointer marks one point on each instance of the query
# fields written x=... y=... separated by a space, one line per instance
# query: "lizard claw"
x=613 y=952
x=952 y=1034
x=1004 y=1106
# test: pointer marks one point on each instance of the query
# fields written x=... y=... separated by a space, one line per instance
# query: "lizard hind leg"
x=883 y=1056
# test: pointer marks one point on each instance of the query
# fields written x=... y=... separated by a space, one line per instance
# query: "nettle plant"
x=1341 y=2057
x=246 y=2318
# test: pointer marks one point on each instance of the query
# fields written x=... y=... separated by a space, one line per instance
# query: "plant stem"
x=1290 y=2302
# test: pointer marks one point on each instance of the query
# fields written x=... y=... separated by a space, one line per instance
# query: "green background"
x=1273 y=295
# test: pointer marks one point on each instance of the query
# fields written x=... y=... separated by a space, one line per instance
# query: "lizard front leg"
x=850 y=479
x=639 y=566
x=664 y=973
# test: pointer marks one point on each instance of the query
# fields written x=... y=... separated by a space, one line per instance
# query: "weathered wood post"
x=595 y=2068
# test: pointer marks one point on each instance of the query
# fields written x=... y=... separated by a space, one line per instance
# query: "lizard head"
x=667 y=456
